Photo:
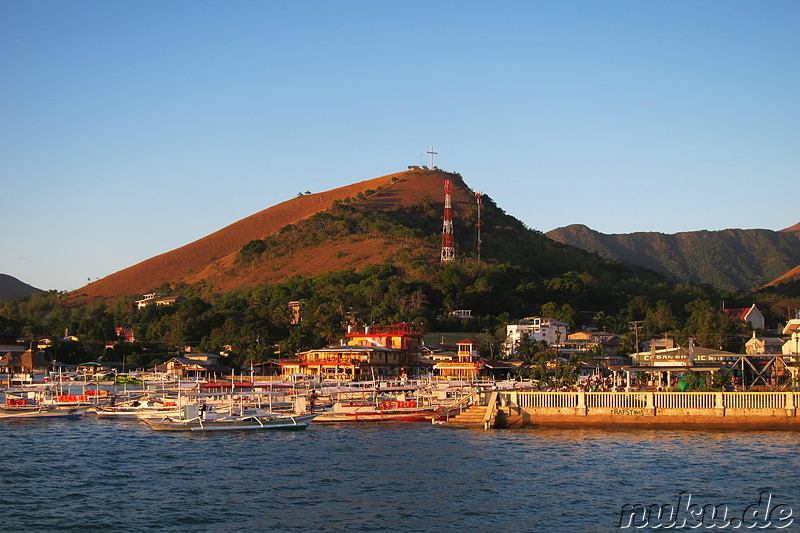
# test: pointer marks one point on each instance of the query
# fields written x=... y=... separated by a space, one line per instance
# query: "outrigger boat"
x=399 y=404
x=137 y=409
x=195 y=418
x=34 y=411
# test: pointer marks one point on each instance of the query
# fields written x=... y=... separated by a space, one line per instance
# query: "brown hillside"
x=796 y=227
x=212 y=258
x=789 y=276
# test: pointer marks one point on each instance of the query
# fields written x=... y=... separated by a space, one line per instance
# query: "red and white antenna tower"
x=479 y=242
x=448 y=249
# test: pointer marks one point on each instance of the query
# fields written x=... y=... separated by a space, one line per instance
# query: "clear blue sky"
x=130 y=128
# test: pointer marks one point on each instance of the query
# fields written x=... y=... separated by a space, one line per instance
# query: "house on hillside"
x=750 y=315
x=158 y=300
x=297 y=311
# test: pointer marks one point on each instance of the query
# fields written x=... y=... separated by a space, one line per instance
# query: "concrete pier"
x=669 y=410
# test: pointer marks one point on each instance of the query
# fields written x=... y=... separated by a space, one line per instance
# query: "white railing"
x=685 y=400
x=755 y=400
x=548 y=399
x=616 y=400
x=659 y=400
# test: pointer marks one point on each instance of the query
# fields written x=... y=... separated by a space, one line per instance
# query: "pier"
x=668 y=410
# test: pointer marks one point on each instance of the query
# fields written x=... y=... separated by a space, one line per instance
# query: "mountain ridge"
x=733 y=259
x=11 y=287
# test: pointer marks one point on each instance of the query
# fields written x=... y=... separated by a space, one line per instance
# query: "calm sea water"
x=101 y=475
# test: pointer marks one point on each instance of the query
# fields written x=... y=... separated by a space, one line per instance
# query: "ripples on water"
x=100 y=475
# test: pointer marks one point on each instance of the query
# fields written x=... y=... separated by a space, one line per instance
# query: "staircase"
x=473 y=417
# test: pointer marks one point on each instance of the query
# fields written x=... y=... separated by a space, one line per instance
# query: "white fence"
x=657 y=400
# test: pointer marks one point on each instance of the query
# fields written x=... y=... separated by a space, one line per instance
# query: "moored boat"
x=195 y=418
x=39 y=411
x=137 y=408
x=397 y=411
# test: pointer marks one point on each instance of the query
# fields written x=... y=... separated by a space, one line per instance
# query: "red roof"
x=737 y=314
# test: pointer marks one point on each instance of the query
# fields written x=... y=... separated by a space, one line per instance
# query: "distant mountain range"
x=11 y=287
x=733 y=259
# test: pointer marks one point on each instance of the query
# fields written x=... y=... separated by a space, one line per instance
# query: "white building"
x=749 y=315
x=792 y=346
x=537 y=329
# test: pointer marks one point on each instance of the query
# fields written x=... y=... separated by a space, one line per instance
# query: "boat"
x=136 y=409
x=19 y=409
x=396 y=411
x=404 y=403
x=196 y=417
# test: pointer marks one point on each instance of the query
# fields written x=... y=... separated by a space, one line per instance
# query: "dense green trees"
x=255 y=322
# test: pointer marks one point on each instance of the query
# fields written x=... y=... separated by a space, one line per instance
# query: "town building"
x=402 y=336
x=194 y=365
x=750 y=315
x=297 y=309
x=682 y=356
x=351 y=363
x=537 y=329
x=467 y=364
x=763 y=345
x=584 y=341
x=368 y=352
x=792 y=346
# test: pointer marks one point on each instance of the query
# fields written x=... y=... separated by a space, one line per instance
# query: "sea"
x=118 y=476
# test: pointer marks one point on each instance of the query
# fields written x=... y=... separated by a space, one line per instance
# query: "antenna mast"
x=448 y=249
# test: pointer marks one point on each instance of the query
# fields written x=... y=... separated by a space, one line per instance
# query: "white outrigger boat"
x=143 y=407
x=39 y=411
x=195 y=418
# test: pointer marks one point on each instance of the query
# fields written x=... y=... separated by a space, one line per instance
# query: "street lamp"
x=558 y=349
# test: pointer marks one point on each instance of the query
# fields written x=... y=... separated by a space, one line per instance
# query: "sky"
x=131 y=128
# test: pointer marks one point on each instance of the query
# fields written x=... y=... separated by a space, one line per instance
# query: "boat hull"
x=290 y=423
x=396 y=415
x=41 y=412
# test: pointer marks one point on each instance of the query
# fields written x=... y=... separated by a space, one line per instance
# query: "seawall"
x=667 y=410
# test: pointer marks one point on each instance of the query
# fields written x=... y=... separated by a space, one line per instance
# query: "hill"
x=11 y=287
x=212 y=260
x=395 y=219
x=732 y=259
x=796 y=227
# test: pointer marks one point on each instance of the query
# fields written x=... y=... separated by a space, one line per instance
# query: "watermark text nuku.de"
x=688 y=514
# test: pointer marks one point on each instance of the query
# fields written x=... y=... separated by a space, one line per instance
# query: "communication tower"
x=448 y=249
x=478 y=241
